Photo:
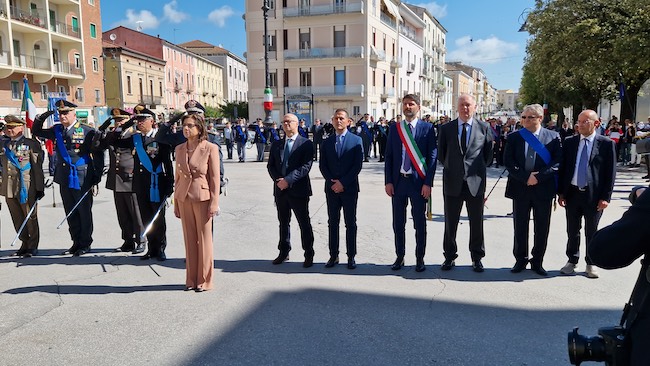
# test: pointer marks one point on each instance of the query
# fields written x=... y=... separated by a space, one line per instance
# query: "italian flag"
x=28 y=105
x=268 y=99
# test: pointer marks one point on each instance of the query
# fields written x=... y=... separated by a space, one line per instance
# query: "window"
x=15 y=90
x=230 y=71
x=95 y=64
x=62 y=89
x=75 y=24
x=93 y=30
x=77 y=61
x=43 y=91
x=80 y=94
x=285 y=39
x=239 y=74
x=98 y=96
x=273 y=79
x=285 y=76
x=128 y=84
x=244 y=76
x=160 y=88
x=91 y=2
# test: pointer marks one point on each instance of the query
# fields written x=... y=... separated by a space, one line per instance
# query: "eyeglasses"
x=189 y=125
x=529 y=117
x=288 y=122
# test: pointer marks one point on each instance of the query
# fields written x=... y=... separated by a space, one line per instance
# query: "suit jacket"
x=26 y=151
x=514 y=159
x=425 y=138
x=345 y=168
x=600 y=173
x=470 y=167
x=119 y=177
x=197 y=178
x=299 y=165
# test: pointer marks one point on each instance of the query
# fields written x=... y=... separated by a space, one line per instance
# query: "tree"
x=228 y=110
x=580 y=51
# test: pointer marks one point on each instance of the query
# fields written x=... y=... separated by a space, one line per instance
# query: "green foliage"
x=228 y=110
x=212 y=112
x=580 y=51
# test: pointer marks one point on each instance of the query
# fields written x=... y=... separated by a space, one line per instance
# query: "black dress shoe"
x=199 y=289
x=309 y=261
x=188 y=288
x=420 y=267
x=281 y=258
x=81 y=251
x=519 y=266
x=448 y=264
x=72 y=250
x=147 y=256
x=539 y=270
x=398 y=264
x=352 y=264
x=138 y=249
x=332 y=262
x=126 y=247
x=477 y=266
x=161 y=257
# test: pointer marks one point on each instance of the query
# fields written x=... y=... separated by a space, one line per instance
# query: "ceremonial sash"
x=73 y=178
x=364 y=128
x=537 y=145
x=154 y=191
x=412 y=150
x=259 y=132
x=14 y=161
x=302 y=132
x=240 y=133
x=274 y=134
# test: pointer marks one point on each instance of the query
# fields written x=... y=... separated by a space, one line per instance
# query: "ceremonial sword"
x=75 y=207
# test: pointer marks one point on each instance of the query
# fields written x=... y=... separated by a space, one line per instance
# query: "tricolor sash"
x=154 y=191
x=259 y=132
x=274 y=134
x=417 y=159
x=73 y=178
x=14 y=161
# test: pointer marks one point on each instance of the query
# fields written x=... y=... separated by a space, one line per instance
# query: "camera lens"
x=583 y=348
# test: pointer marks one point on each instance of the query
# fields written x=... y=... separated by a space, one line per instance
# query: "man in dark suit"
x=289 y=165
x=317 y=136
x=532 y=158
x=408 y=174
x=464 y=149
x=587 y=174
x=340 y=164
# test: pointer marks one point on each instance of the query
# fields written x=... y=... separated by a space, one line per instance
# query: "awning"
x=393 y=9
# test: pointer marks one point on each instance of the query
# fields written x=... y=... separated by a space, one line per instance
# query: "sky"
x=480 y=33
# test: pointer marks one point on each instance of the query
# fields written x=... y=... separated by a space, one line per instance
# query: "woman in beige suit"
x=196 y=200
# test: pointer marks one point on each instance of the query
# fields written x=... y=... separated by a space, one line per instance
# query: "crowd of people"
x=574 y=164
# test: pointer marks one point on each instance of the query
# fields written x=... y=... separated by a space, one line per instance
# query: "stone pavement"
x=109 y=308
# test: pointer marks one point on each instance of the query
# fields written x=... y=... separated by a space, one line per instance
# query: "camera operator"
x=617 y=246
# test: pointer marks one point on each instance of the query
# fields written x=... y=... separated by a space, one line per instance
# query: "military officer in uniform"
x=78 y=167
x=23 y=181
x=119 y=179
x=153 y=177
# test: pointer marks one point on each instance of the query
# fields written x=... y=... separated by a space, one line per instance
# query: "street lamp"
x=440 y=88
x=268 y=94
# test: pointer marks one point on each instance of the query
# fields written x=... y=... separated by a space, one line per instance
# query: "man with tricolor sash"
x=23 y=182
x=409 y=169
x=79 y=166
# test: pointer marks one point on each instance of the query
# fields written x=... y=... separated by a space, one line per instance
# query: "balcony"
x=4 y=58
x=65 y=29
x=68 y=68
x=377 y=55
x=32 y=62
x=323 y=10
x=396 y=62
x=332 y=90
x=387 y=92
x=387 y=20
x=334 y=52
x=3 y=11
x=149 y=100
x=32 y=16
x=411 y=35
x=410 y=68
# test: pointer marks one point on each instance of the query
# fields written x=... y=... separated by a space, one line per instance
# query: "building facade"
x=57 y=46
x=235 y=70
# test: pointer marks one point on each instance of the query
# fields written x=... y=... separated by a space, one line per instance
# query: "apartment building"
x=209 y=82
x=507 y=99
x=132 y=78
x=461 y=84
x=235 y=69
x=57 y=45
x=326 y=54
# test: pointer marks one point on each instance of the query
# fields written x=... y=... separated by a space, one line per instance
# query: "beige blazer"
x=198 y=178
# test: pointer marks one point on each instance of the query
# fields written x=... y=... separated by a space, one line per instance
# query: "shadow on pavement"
x=321 y=327
x=91 y=290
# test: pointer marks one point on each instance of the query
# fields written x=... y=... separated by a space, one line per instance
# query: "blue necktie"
x=285 y=158
x=339 y=145
x=583 y=164
x=407 y=160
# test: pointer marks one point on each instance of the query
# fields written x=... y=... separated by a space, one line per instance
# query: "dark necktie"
x=530 y=159
x=407 y=160
x=583 y=164
x=339 y=145
x=463 y=138
x=285 y=158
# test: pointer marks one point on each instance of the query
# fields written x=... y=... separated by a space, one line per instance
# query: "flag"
x=268 y=99
x=28 y=105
